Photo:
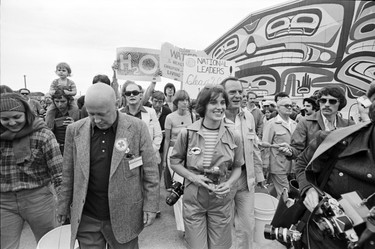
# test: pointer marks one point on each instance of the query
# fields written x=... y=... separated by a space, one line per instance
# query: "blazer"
x=275 y=132
x=130 y=192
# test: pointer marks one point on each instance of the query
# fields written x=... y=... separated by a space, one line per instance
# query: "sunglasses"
x=287 y=106
x=135 y=93
x=330 y=101
x=24 y=93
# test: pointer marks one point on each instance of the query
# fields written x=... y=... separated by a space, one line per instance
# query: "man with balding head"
x=110 y=178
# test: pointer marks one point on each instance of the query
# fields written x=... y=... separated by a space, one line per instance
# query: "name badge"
x=136 y=162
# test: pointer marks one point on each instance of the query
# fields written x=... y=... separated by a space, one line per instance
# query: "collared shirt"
x=328 y=126
x=137 y=114
x=45 y=164
x=101 y=148
x=287 y=125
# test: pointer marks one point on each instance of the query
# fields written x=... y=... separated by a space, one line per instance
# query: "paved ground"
x=161 y=235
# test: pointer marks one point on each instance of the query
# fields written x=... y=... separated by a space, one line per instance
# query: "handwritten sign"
x=199 y=71
x=137 y=63
x=172 y=60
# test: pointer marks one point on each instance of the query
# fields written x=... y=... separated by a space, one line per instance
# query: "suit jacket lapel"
x=82 y=140
x=122 y=132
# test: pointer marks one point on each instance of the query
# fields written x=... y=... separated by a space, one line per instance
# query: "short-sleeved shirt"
x=175 y=122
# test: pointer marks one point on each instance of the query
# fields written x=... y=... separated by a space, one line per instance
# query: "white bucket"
x=264 y=208
x=58 y=238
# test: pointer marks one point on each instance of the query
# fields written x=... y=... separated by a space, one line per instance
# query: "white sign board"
x=137 y=63
x=199 y=71
x=172 y=60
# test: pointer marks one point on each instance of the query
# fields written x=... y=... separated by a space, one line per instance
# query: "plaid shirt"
x=45 y=164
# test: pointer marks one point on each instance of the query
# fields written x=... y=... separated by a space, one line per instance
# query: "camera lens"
x=269 y=232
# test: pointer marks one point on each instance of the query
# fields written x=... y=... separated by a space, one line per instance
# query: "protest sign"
x=137 y=63
x=199 y=71
x=172 y=60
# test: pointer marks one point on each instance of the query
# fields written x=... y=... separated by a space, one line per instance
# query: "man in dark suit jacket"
x=110 y=178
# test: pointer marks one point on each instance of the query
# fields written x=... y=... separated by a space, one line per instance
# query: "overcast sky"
x=38 y=34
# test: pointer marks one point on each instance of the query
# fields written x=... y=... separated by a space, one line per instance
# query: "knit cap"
x=8 y=103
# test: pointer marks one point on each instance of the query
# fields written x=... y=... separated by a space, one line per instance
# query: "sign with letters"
x=200 y=71
x=172 y=60
x=137 y=63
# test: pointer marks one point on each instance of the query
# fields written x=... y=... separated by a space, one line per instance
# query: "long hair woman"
x=209 y=155
x=174 y=123
x=30 y=160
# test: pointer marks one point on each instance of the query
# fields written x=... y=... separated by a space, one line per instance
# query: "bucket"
x=264 y=208
x=58 y=238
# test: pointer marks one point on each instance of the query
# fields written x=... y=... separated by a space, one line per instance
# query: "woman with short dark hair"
x=209 y=155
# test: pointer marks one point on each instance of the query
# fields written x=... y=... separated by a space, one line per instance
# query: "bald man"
x=110 y=177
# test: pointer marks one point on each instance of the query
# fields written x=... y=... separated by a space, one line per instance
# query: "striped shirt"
x=210 y=139
x=44 y=166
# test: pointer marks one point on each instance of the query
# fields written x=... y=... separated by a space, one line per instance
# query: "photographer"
x=210 y=150
x=346 y=157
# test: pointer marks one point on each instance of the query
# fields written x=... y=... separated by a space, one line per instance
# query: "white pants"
x=177 y=207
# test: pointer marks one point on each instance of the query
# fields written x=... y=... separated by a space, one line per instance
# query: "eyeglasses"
x=287 y=106
x=25 y=93
x=135 y=93
x=330 y=101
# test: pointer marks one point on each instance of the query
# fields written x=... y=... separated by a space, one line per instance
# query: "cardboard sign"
x=199 y=71
x=137 y=63
x=172 y=60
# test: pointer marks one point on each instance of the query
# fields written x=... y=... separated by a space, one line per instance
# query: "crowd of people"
x=103 y=157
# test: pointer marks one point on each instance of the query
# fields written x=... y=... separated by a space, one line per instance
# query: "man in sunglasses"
x=35 y=106
x=276 y=131
x=331 y=99
x=340 y=163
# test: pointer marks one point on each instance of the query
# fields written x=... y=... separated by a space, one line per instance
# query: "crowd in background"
x=214 y=163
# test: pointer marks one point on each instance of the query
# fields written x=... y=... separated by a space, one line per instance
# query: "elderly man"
x=110 y=177
x=279 y=130
x=331 y=100
x=252 y=172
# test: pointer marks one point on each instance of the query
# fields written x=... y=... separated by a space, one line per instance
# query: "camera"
x=177 y=191
x=284 y=235
x=334 y=222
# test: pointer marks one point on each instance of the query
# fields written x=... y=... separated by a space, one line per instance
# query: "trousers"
x=35 y=206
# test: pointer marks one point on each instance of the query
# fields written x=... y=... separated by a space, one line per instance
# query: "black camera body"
x=177 y=191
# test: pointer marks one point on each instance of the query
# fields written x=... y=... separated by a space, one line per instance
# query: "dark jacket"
x=307 y=129
x=351 y=152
